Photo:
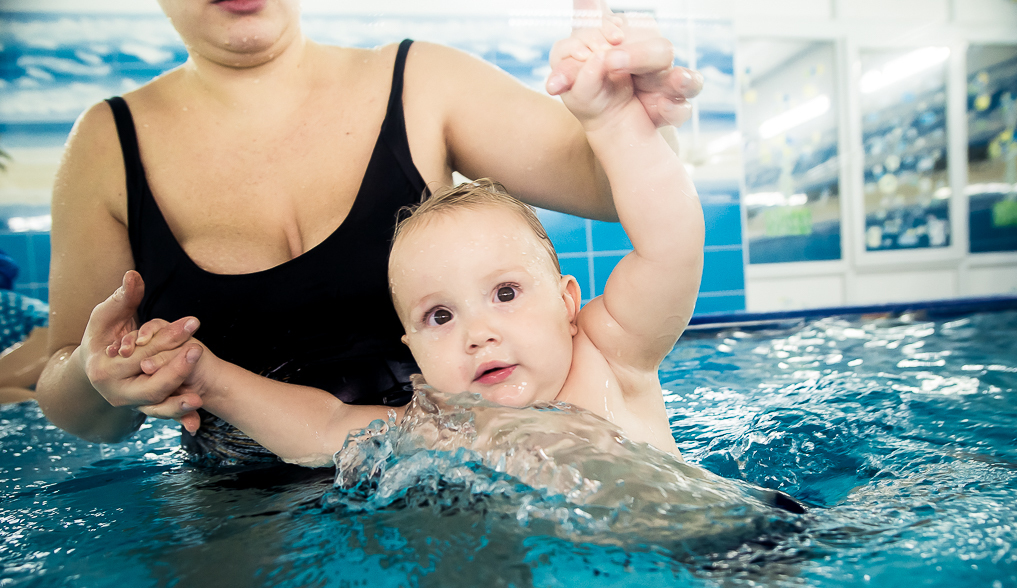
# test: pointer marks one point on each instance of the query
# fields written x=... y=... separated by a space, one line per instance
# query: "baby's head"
x=477 y=286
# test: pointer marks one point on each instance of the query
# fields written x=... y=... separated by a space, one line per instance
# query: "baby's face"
x=483 y=308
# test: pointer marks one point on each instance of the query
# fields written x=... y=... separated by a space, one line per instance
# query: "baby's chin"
x=517 y=395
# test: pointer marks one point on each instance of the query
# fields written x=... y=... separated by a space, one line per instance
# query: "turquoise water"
x=900 y=433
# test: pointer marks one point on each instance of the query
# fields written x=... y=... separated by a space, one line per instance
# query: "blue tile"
x=723 y=271
x=715 y=304
x=578 y=267
x=602 y=268
x=610 y=237
x=16 y=246
x=723 y=224
x=567 y=232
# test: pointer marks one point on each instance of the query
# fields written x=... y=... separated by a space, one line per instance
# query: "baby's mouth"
x=493 y=372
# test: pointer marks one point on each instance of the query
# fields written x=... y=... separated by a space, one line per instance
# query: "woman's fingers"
x=183 y=408
x=191 y=421
x=678 y=83
x=651 y=56
x=663 y=110
x=176 y=366
x=152 y=364
x=134 y=387
x=109 y=317
x=161 y=337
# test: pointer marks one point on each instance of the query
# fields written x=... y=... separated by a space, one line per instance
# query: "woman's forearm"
x=69 y=401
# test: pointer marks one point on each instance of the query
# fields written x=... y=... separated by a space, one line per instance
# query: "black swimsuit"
x=323 y=319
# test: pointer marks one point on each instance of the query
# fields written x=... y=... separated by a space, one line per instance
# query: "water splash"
x=556 y=463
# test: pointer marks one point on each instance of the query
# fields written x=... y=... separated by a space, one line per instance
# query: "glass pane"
x=992 y=152
x=907 y=191
x=792 y=174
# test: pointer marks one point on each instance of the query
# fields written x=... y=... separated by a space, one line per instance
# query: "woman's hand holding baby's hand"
x=120 y=378
x=608 y=48
x=167 y=351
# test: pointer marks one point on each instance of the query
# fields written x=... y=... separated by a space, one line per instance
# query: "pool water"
x=900 y=433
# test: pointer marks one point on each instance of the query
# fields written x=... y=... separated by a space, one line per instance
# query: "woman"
x=256 y=187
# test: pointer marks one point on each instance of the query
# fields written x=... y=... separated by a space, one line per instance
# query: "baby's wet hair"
x=473 y=195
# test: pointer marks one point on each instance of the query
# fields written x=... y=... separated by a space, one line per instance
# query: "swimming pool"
x=900 y=432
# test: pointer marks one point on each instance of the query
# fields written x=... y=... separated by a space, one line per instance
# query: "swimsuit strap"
x=137 y=183
x=393 y=130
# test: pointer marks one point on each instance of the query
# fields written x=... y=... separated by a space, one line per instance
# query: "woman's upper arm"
x=90 y=248
x=494 y=126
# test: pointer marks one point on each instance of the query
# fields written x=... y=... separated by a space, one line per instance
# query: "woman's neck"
x=277 y=75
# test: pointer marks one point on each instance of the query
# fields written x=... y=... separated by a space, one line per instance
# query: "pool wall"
x=791 y=217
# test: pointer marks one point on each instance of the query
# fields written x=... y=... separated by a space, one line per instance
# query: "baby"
x=477 y=286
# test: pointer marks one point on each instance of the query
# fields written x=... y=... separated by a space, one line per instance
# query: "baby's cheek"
x=437 y=367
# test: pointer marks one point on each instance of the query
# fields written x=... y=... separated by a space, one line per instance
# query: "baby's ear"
x=403 y=339
x=573 y=297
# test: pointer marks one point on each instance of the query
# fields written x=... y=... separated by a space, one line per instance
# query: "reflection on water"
x=898 y=431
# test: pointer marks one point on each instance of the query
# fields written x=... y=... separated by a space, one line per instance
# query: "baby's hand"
x=164 y=334
x=168 y=347
x=625 y=46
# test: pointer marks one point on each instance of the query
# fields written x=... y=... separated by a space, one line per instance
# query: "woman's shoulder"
x=441 y=60
x=91 y=169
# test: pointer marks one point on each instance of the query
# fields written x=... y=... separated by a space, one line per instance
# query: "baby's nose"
x=481 y=333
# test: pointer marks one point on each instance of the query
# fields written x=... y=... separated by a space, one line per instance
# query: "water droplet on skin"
x=185 y=109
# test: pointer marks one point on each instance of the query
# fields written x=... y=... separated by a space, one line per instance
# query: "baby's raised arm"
x=650 y=296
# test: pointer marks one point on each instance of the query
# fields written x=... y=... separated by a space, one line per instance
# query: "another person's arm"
x=493 y=126
x=20 y=366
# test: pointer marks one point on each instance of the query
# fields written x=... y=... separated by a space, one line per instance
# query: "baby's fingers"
x=150 y=329
x=182 y=408
x=127 y=344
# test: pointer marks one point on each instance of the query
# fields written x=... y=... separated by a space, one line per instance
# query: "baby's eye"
x=506 y=293
x=438 y=316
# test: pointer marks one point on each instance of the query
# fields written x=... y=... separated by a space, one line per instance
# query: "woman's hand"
x=630 y=45
x=120 y=378
x=165 y=344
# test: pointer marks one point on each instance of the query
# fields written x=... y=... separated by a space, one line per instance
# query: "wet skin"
x=484 y=309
